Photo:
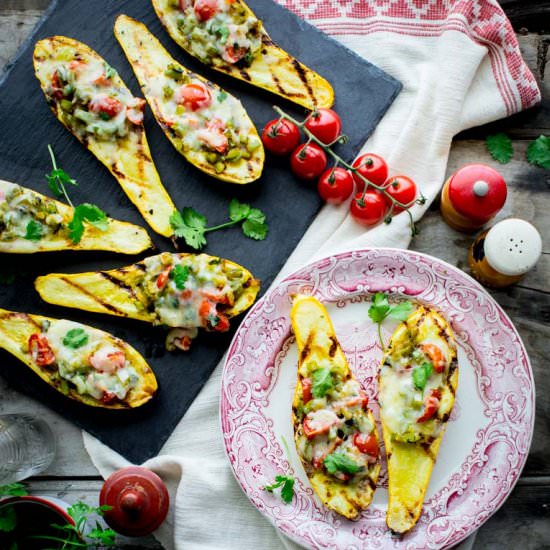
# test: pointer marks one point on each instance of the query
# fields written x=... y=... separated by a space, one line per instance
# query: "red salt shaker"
x=472 y=196
x=139 y=501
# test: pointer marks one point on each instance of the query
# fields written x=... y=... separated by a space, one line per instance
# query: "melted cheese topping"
x=98 y=367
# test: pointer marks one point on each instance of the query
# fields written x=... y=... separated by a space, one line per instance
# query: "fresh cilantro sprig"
x=13 y=490
x=322 y=382
x=33 y=231
x=381 y=308
x=75 y=536
x=191 y=226
x=83 y=213
x=538 y=152
x=339 y=462
x=500 y=147
x=287 y=487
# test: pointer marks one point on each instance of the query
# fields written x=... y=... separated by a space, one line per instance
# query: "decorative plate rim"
x=361 y=255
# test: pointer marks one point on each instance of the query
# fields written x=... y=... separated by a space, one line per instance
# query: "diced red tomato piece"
x=219 y=298
x=205 y=9
x=108 y=397
x=213 y=136
x=306 y=389
x=57 y=86
x=163 y=278
x=436 y=357
x=106 y=105
x=361 y=399
x=186 y=294
x=366 y=443
x=40 y=350
x=431 y=405
x=232 y=55
x=194 y=96
x=77 y=65
x=184 y=4
x=319 y=422
x=223 y=323
x=204 y=309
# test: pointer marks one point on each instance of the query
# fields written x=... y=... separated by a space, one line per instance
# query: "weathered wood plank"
x=523 y=521
x=14 y=28
x=88 y=492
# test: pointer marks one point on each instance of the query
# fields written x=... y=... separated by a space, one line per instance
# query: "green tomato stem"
x=355 y=171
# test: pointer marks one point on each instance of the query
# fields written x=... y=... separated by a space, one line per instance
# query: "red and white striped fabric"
x=460 y=65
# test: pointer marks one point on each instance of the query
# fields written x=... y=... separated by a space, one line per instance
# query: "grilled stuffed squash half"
x=90 y=99
x=31 y=222
x=334 y=431
x=227 y=36
x=84 y=363
x=417 y=384
x=182 y=291
x=207 y=125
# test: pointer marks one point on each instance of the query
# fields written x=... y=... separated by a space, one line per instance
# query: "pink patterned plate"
x=488 y=436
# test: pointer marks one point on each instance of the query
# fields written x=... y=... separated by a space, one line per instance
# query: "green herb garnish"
x=321 y=382
x=191 y=226
x=179 y=275
x=76 y=338
x=421 y=374
x=287 y=484
x=381 y=308
x=340 y=462
x=89 y=213
x=8 y=519
x=538 y=152
x=34 y=231
x=13 y=490
x=500 y=147
x=222 y=96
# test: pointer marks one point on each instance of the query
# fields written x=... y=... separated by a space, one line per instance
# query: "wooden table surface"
x=524 y=520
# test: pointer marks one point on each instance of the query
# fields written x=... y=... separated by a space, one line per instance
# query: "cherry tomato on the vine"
x=402 y=189
x=280 y=136
x=325 y=125
x=371 y=166
x=368 y=208
x=308 y=161
x=335 y=185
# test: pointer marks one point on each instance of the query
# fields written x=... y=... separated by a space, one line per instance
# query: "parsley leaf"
x=191 y=226
x=402 y=310
x=13 y=489
x=57 y=179
x=238 y=211
x=179 y=274
x=538 y=152
x=340 y=462
x=287 y=484
x=321 y=382
x=8 y=519
x=500 y=146
x=380 y=307
x=34 y=231
x=76 y=338
x=421 y=374
x=89 y=213
x=222 y=96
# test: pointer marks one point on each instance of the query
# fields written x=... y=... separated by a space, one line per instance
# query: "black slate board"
x=363 y=94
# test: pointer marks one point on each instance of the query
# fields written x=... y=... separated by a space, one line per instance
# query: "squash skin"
x=148 y=59
x=314 y=336
x=284 y=76
x=410 y=464
x=117 y=292
x=122 y=237
x=15 y=330
x=131 y=162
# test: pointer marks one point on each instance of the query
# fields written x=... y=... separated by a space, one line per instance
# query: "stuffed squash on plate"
x=417 y=384
x=88 y=96
x=207 y=125
x=182 y=291
x=84 y=363
x=31 y=222
x=334 y=430
x=227 y=36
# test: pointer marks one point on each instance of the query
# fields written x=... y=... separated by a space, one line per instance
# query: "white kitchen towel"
x=460 y=66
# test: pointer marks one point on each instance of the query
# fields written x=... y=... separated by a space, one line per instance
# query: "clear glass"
x=27 y=447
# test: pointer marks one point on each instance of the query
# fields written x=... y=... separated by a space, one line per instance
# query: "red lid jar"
x=472 y=196
x=139 y=501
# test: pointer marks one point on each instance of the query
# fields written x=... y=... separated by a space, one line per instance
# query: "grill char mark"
x=119 y=283
x=106 y=305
